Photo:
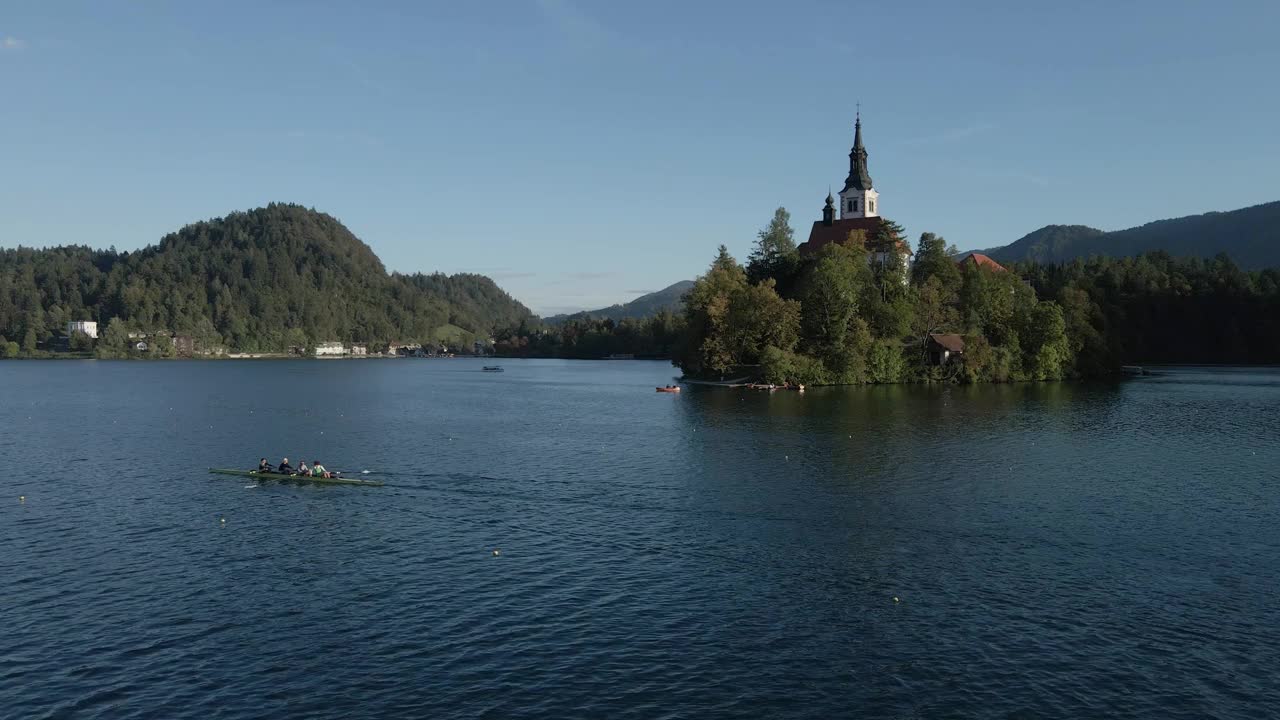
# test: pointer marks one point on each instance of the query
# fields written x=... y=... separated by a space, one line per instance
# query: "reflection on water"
x=1037 y=550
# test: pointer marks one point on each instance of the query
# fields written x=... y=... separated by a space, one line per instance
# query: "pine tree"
x=774 y=253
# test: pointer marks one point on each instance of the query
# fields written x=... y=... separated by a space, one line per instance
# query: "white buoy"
x=22 y=498
x=224 y=521
x=895 y=598
x=496 y=553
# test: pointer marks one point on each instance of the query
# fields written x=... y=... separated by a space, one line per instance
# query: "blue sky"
x=582 y=153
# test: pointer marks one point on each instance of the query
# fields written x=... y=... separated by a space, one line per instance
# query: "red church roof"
x=838 y=232
x=982 y=261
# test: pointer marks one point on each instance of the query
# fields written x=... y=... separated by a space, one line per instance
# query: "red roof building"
x=981 y=261
x=826 y=232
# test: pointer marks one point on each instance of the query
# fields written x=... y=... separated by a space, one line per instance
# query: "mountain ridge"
x=1250 y=236
x=668 y=298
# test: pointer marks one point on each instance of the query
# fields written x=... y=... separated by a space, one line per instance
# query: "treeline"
x=836 y=318
x=1160 y=309
x=256 y=281
x=592 y=338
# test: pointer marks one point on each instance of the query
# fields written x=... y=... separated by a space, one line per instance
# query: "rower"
x=264 y=466
x=303 y=469
x=317 y=470
x=285 y=468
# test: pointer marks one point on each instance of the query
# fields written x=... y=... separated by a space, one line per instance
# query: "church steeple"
x=858 y=198
x=858 y=178
x=829 y=210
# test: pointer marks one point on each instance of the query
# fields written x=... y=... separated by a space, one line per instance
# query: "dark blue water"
x=1054 y=550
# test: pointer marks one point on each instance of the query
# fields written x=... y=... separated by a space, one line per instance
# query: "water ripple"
x=1021 y=551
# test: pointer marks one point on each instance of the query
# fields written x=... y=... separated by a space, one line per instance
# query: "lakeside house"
x=329 y=349
x=358 y=351
x=944 y=347
x=85 y=327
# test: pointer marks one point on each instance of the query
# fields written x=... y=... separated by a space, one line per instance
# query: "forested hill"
x=669 y=298
x=256 y=281
x=1250 y=236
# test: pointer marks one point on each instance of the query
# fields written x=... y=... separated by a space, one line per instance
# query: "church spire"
x=859 y=198
x=858 y=178
x=829 y=211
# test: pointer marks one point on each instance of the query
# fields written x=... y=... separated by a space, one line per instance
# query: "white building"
x=329 y=348
x=88 y=327
x=359 y=350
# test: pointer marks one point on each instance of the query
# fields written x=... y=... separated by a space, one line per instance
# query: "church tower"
x=858 y=199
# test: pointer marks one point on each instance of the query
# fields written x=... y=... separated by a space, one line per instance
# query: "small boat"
x=294 y=478
x=669 y=389
x=492 y=368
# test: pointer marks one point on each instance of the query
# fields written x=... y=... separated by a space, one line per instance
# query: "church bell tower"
x=858 y=199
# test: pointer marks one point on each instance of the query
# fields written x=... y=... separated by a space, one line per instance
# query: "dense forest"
x=1162 y=309
x=835 y=318
x=590 y=338
x=262 y=280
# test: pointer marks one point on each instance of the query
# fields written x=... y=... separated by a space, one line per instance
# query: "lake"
x=1023 y=551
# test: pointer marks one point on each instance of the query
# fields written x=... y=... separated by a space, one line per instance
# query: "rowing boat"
x=294 y=478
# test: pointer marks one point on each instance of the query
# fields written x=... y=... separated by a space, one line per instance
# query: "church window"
x=853 y=205
x=871 y=205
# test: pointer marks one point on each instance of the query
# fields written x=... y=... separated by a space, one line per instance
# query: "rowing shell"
x=295 y=478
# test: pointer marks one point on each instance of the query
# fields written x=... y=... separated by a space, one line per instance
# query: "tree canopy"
x=834 y=317
x=255 y=281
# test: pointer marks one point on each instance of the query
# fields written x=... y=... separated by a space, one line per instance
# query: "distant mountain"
x=668 y=298
x=1251 y=236
x=1050 y=243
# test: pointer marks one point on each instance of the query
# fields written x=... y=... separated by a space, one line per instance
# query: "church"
x=859 y=211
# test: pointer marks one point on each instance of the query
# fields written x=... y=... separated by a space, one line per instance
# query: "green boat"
x=294 y=478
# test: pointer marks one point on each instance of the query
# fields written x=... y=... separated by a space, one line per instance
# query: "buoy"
x=22 y=498
x=895 y=599
x=496 y=553
x=224 y=521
